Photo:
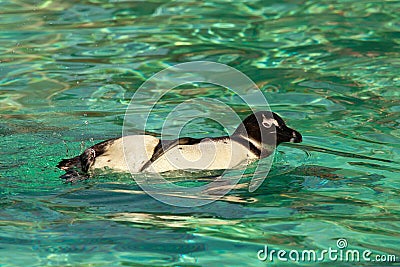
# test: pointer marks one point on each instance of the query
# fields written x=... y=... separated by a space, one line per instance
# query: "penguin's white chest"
x=131 y=153
x=206 y=155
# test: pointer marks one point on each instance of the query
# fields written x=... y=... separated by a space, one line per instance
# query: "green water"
x=69 y=68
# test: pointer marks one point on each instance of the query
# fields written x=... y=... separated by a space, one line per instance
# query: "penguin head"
x=267 y=128
x=284 y=133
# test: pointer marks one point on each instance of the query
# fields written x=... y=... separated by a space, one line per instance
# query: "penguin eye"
x=267 y=123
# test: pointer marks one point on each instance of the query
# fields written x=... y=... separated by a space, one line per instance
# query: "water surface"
x=69 y=68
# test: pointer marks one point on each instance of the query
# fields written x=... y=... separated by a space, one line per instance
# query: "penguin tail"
x=73 y=170
x=67 y=164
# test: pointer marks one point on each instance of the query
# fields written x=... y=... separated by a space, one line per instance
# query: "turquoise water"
x=68 y=70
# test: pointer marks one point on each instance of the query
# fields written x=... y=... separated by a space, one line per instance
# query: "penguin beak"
x=296 y=137
x=289 y=135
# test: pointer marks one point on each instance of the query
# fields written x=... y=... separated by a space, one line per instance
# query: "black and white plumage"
x=256 y=137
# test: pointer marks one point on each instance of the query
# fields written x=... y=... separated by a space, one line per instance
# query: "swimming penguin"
x=256 y=137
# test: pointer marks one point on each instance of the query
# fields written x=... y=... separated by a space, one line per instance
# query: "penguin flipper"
x=164 y=146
